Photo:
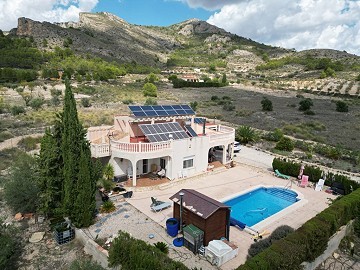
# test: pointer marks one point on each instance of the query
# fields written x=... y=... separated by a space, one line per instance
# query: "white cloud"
x=210 y=4
x=42 y=10
x=300 y=24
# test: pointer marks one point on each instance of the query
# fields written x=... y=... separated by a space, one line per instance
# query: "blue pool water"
x=259 y=204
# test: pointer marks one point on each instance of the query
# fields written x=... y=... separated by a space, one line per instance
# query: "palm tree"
x=108 y=171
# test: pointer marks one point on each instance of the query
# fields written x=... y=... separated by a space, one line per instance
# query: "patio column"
x=134 y=172
x=225 y=147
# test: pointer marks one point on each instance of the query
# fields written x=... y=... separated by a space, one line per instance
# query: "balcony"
x=220 y=136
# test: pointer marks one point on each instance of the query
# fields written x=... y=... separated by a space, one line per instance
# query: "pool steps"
x=289 y=196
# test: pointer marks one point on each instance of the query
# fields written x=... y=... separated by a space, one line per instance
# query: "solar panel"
x=191 y=131
x=161 y=110
x=161 y=132
x=199 y=120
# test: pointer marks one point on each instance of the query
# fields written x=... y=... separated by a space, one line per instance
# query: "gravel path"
x=10 y=143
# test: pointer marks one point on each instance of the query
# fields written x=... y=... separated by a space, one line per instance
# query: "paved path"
x=10 y=143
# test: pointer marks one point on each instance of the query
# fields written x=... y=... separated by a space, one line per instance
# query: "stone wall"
x=333 y=245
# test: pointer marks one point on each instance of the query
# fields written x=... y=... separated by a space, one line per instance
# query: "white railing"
x=100 y=150
x=225 y=133
x=140 y=147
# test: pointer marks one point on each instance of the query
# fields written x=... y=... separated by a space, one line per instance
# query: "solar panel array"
x=161 y=110
x=163 y=132
x=191 y=131
x=199 y=120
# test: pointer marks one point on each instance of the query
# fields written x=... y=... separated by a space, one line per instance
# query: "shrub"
x=16 y=110
x=194 y=105
x=85 y=102
x=132 y=253
x=36 y=103
x=29 y=143
x=163 y=247
x=246 y=134
x=305 y=104
x=357 y=226
x=149 y=90
x=274 y=136
x=285 y=144
x=5 y=135
x=214 y=98
x=10 y=248
x=341 y=106
x=277 y=234
x=20 y=195
x=150 y=101
x=107 y=207
x=266 y=104
x=128 y=101
x=309 y=112
x=229 y=107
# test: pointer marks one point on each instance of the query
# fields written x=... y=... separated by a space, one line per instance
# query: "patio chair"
x=319 y=185
x=157 y=206
x=280 y=175
x=304 y=181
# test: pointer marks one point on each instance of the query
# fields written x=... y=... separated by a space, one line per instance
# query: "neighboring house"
x=154 y=137
x=190 y=78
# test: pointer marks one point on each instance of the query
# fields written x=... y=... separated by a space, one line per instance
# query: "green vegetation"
x=179 y=83
x=310 y=63
x=246 y=134
x=150 y=101
x=67 y=174
x=132 y=253
x=279 y=233
x=149 y=90
x=20 y=195
x=108 y=172
x=266 y=104
x=163 y=247
x=107 y=207
x=341 y=106
x=10 y=246
x=305 y=104
x=274 y=136
x=285 y=144
x=310 y=240
x=194 y=105
x=29 y=143
x=306 y=130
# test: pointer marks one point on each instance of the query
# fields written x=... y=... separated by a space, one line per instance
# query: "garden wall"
x=333 y=245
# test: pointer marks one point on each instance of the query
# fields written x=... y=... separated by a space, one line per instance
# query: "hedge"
x=292 y=168
x=132 y=253
x=310 y=240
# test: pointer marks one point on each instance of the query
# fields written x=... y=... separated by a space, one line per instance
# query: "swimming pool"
x=259 y=204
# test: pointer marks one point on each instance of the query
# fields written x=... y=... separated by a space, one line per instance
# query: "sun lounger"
x=157 y=206
x=319 y=185
x=280 y=175
x=304 y=181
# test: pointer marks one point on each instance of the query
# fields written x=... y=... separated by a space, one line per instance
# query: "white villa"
x=163 y=136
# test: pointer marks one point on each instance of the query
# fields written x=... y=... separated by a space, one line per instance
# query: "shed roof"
x=198 y=203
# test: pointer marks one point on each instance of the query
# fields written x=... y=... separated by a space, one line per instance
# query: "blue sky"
x=152 y=12
x=299 y=24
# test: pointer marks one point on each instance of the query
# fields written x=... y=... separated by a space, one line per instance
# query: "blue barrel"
x=172 y=226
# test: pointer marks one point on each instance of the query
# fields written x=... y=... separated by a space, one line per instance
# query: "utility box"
x=193 y=238
x=219 y=252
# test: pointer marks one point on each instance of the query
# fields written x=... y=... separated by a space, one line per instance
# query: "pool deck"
x=237 y=180
x=224 y=183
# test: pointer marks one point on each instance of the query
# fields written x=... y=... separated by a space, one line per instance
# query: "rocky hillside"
x=108 y=36
x=192 y=43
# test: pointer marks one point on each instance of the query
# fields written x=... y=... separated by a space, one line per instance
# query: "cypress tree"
x=84 y=206
x=51 y=170
x=72 y=137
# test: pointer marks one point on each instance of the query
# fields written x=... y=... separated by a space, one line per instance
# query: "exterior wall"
x=214 y=227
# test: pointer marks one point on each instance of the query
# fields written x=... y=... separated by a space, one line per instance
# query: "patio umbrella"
x=301 y=171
